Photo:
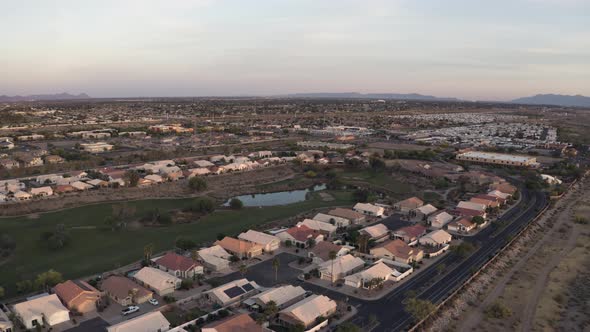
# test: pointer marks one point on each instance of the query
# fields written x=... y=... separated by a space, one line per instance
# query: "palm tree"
x=243 y=269
x=271 y=310
x=332 y=256
x=133 y=293
x=148 y=250
x=276 y=264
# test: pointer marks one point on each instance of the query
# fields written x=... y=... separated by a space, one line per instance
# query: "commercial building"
x=498 y=159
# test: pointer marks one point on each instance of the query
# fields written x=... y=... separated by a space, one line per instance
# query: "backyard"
x=93 y=249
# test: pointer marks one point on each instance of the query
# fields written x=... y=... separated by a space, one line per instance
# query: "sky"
x=470 y=49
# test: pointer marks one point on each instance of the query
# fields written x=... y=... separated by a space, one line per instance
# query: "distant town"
x=279 y=214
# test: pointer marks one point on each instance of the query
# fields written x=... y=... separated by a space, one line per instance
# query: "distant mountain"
x=57 y=96
x=357 y=95
x=552 y=99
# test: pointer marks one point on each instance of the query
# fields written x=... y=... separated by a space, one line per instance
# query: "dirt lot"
x=543 y=283
x=220 y=186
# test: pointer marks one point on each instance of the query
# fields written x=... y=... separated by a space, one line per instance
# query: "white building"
x=157 y=280
x=215 y=258
x=307 y=311
x=323 y=227
x=436 y=238
x=45 y=309
x=440 y=219
x=150 y=322
x=369 y=209
x=334 y=220
x=377 y=232
x=340 y=267
x=282 y=296
x=268 y=242
x=379 y=271
x=232 y=292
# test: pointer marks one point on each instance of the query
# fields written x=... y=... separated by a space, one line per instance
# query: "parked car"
x=129 y=310
x=153 y=301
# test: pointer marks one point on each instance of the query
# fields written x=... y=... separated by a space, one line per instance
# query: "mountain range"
x=57 y=96
x=540 y=99
x=553 y=99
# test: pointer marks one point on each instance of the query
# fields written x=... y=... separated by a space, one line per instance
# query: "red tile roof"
x=176 y=262
x=301 y=233
x=69 y=290
x=412 y=231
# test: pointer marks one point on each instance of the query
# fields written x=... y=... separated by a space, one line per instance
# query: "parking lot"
x=263 y=273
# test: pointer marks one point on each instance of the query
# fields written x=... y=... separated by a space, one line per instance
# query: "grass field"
x=379 y=179
x=93 y=250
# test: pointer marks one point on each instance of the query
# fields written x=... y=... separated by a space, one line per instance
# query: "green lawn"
x=380 y=179
x=93 y=250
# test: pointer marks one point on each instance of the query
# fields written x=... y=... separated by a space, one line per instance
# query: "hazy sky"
x=473 y=49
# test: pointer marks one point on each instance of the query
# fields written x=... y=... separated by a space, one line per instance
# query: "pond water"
x=277 y=198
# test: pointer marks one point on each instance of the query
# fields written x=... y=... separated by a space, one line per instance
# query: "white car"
x=129 y=310
x=153 y=302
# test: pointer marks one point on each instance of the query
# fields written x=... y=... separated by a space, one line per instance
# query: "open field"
x=380 y=180
x=93 y=249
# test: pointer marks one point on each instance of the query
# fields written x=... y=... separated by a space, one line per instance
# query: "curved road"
x=389 y=309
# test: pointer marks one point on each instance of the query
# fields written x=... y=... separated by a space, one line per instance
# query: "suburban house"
x=214 y=258
x=42 y=310
x=462 y=225
x=397 y=250
x=504 y=187
x=320 y=253
x=377 y=232
x=42 y=191
x=6 y=324
x=203 y=163
x=179 y=266
x=500 y=201
x=197 y=172
x=306 y=312
x=157 y=280
x=30 y=160
x=366 y=278
x=124 y=291
x=78 y=295
x=54 y=159
x=499 y=194
x=408 y=205
x=410 y=234
x=423 y=212
x=22 y=196
x=436 y=238
x=154 y=178
x=325 y=228
x=340 y=267
x=239 y=322
x=440 y=219
x=64 y=189
x=301 y=235
x=232 y=292
x=268 y=242
x=81 y=186
x=8 y=163
x=369 y=209
x=337 y=221
x=353 y=216
x=471 y=206
x=282 y=296
x=240 y=248
x=151 y=322
x=487 y=202
x=468 y=213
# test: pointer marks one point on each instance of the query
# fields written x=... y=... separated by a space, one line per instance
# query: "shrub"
x=236 y=204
